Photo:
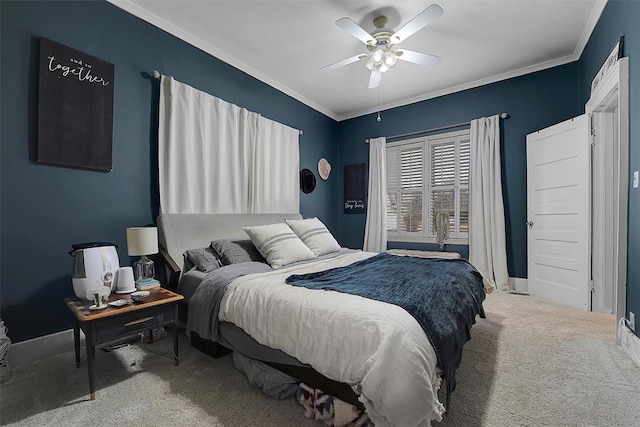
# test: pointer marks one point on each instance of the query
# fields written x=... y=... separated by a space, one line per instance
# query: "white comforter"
x=376 y=346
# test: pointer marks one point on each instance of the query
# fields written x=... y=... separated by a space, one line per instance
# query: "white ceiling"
x=285 y=42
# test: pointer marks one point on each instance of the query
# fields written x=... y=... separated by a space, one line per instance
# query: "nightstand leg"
x=76 y=342
x=91 y=358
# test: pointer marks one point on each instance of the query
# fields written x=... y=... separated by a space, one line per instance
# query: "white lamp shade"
x=142 y=241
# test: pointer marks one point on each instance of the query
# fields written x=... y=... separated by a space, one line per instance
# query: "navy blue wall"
x=44 y=209
x=621 y=18
x=534 y=101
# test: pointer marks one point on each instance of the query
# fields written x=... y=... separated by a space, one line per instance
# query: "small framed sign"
x=75 y=108
x=613 y=57
x=355 y=188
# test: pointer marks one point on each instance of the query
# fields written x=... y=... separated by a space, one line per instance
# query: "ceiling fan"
x=381 y=42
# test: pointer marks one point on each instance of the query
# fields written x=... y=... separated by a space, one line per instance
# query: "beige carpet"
x=530 y=363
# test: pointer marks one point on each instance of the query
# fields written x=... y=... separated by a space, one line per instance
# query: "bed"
x=364 y=351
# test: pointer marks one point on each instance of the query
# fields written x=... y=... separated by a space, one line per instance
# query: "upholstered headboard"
x=179 y=232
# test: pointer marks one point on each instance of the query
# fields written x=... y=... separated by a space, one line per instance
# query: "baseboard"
x=629 y=342
x=519 y=285
x=25 y=352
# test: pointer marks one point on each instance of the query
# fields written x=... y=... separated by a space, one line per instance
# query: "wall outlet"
x=632 y=321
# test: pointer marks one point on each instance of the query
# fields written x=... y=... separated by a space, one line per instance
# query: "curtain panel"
x=274 y=182
x=216 y=157
x=487 y=241
x=375 y=234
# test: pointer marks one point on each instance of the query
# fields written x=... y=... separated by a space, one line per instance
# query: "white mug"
x=124 y=280
x=98 y=295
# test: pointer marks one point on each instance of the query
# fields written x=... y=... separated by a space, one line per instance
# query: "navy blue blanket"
x=443 y=295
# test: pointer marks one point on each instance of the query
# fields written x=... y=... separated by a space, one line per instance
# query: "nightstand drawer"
x=131 y=323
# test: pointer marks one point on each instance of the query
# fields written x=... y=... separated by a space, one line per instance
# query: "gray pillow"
x=204 y=259
x=236 y=251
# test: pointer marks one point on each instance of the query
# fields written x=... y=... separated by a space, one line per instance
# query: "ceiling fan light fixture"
x=383 y=68
x=390 y=59
x=370 y=64
x=377 y=56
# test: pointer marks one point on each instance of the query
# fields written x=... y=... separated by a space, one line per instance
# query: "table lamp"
x=142 y=241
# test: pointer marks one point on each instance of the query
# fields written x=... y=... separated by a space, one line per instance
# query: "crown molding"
x=596 y=12
x=134 y=9
x=458 y=88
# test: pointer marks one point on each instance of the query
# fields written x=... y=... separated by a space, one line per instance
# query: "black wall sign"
x=75 y=108
x=356 y=185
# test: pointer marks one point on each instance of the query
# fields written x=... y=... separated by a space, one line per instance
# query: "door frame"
x=612 y=93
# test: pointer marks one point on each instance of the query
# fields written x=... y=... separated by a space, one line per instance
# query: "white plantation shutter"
x=411 y=168
x=465 y=149
x=443 y=180
x=427 y=182
x=411 y=184
x=411 y=212
x=405 y=176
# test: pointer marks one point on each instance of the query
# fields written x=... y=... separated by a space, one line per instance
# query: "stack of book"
x=146 y=284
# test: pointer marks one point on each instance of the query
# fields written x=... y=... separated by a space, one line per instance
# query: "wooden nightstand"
x=160 y=308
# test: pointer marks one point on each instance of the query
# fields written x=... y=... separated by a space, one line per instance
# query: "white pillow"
x=315 y=235
x=278 y=244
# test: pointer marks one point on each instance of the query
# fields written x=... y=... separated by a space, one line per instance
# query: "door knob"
x=529 y=224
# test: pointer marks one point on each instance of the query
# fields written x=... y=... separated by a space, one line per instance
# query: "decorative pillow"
x=236 y=251
x=204 y=259
x=315 y=235
x=278 y=244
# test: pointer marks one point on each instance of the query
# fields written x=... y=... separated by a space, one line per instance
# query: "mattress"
x=376 y=347
x=232 y=336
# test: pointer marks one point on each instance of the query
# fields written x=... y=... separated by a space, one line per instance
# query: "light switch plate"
x=636 y=178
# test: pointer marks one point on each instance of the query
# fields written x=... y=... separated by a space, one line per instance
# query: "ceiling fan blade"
x=355 y=30
x=420 y=21
x=417 y=57
x=374 y=80
x=344 y=62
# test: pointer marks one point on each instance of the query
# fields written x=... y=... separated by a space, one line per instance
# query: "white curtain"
x=211 y=156
x=275 y=160
x=487 y=242
x=375 y=234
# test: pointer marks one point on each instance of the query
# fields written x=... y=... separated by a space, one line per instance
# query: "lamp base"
x=143 y=269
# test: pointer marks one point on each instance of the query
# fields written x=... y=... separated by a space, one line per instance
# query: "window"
x=428 y=188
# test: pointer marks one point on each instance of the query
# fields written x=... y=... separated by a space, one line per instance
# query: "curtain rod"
x=156 y=75
x=454 y=125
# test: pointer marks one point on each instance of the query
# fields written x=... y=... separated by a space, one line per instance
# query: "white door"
x=558 y=213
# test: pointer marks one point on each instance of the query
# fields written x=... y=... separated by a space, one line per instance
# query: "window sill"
x=407 y=239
